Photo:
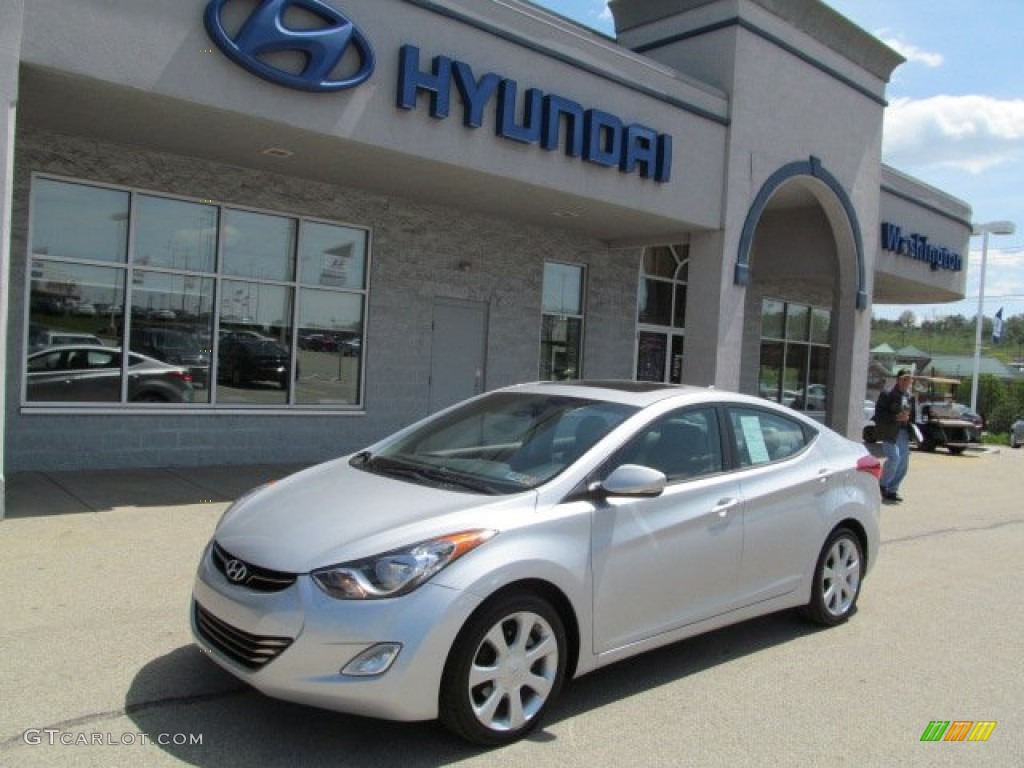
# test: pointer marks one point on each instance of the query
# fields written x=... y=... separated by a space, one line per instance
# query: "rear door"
x=785 y=485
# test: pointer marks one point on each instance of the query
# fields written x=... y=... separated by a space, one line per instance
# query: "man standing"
x=894 y=419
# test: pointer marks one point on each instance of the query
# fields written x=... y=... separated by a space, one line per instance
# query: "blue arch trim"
x=811 y=167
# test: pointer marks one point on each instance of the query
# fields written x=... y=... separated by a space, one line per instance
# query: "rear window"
x=762 y=437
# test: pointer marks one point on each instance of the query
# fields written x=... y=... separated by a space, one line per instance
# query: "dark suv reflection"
x=243 y=359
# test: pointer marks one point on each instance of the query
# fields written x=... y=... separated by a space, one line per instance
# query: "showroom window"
x=561 y=343
x=661 y=313
x=795 y=354
x=220 y=305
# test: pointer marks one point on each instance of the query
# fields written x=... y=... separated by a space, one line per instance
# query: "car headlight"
x=397 y=572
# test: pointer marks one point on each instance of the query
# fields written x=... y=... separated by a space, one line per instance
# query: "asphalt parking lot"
x=99 y=669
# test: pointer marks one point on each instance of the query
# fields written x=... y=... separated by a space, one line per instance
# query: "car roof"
x=637 y=393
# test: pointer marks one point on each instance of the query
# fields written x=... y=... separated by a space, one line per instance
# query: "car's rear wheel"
x=837 y=579
x=506 y=667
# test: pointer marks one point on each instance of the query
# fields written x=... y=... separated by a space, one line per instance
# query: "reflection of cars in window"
x=243 y=359
x=174 y=346
x=79 y=373
x=41 y=337
x=529 y=536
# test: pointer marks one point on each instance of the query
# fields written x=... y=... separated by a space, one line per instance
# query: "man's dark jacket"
x=887 y=407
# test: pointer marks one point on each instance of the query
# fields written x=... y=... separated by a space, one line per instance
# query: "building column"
x=714 y=315
x=11 y=15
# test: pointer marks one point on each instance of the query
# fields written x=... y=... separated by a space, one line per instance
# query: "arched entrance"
x=801 y=261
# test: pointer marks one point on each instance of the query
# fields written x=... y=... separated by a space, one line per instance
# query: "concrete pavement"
x=99 y=668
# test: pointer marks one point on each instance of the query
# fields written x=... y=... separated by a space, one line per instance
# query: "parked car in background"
x=41 y=337
x=90 y=373
x=1017 y=433
x=242 y=359
x=468 y=565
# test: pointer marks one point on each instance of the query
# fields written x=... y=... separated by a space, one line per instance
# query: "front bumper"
x=307 y=637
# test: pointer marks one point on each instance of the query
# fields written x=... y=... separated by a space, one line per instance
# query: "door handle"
x=724 y=506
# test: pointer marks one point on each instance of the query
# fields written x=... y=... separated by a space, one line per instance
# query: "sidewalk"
x=36 y=494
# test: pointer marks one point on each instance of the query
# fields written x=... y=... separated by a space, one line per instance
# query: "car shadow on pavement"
x=184 y=696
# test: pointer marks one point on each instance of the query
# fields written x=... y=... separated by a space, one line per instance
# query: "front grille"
x=249 y=575
x=251 y=651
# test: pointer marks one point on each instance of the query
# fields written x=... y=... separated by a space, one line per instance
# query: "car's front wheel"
x=507 y=665
x=837 y=579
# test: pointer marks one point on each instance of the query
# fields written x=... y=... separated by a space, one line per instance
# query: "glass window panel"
x=817 y=379
x=330 y=347
x=683 y=273
x=659 y=261
x=75 y=304
x=797 y=322
x=563 y=289
x=679 y=312
x=175 y=234
x=560 y=348
x=770 y=372
x=794 y=376
x=675 y=375
x=254 y=365
x=332 y=256
x=821 y=322
x=258 y=246
x=172 y=321
x=773 y=319
x=655 y=302
x=652 y=349
x=76 y=221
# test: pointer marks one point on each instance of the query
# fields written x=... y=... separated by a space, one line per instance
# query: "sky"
x=955 y=120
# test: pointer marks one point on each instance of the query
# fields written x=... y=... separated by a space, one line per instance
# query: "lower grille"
x=251 y=651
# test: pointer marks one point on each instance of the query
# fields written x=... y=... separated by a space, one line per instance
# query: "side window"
x=683 y=445
x=763 y=437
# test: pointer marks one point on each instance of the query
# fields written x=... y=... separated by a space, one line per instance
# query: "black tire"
x=504 y=670
x=837 y=579
x=957 y=451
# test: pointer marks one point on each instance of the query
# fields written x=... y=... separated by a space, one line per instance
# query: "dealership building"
x=336 y=216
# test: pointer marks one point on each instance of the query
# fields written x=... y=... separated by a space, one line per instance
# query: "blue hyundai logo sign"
x=323 y=48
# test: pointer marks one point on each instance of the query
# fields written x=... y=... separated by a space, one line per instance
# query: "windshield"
x=503 y=443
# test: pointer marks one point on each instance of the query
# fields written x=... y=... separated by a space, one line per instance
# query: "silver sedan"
x=467 y=566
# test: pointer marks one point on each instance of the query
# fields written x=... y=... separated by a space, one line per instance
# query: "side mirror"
x=632 y=480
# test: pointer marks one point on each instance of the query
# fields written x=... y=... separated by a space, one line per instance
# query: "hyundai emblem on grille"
x=236 y=571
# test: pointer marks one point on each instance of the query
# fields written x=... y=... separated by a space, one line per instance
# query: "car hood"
x=333 y=513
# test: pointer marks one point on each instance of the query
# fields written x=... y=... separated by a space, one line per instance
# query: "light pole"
x=994 y=228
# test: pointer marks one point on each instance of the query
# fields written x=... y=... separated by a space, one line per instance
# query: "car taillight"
x=871 y=465
x=184 y=376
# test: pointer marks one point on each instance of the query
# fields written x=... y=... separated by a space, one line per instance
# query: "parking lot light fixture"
x=986 y=229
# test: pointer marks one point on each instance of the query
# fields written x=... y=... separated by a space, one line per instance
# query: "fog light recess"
x=375 y=660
